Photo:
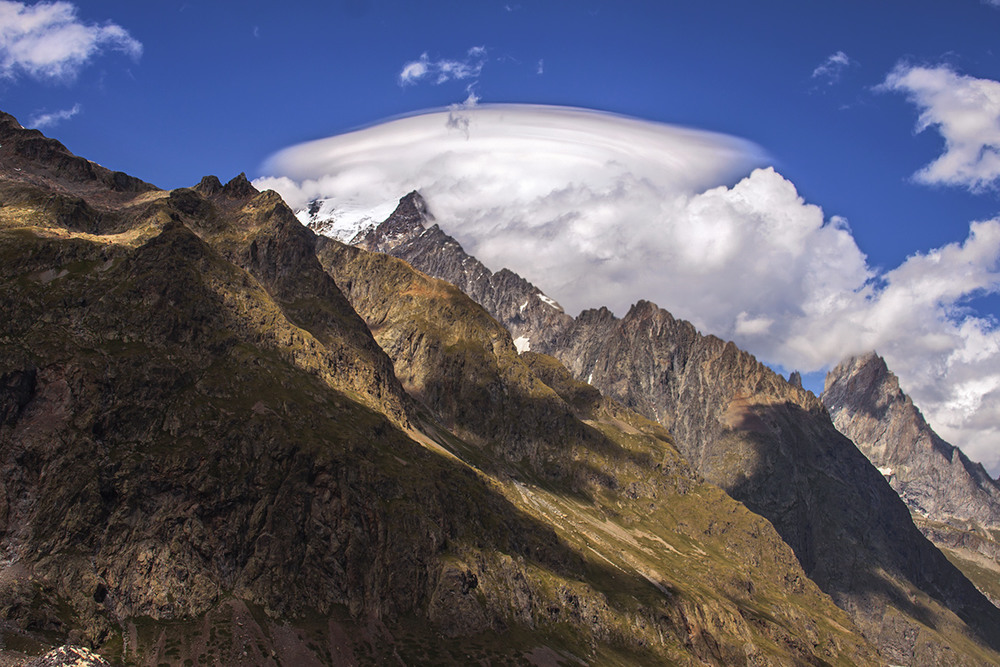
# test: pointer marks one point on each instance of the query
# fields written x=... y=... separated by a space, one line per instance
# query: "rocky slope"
x=934 y=478
x=208 y=457
x=607 y=479
x=766 y=442
x=955 y=501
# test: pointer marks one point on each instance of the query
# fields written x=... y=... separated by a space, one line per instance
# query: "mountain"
x=954 y=501
x=225 y=440
x=528 y=314
x=768 y=443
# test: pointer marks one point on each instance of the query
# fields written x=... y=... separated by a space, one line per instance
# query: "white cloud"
x=47 y=40
x=598 y=209
x=966 y=111
x=541 y=66
x=44 y=120
x=443 y=70
x=831 y=69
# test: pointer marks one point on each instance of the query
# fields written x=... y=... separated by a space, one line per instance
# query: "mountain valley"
x=227 y=440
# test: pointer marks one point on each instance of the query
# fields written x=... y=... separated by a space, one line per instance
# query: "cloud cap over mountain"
x=598 y=209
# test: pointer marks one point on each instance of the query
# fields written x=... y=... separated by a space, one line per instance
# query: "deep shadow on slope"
x=881 y=557
x=525 y=412
x=195 y=461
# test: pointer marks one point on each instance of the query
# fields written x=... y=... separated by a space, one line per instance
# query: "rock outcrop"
x=955 y=501
x=934 y=478
x=603 y=476
x=410 y=234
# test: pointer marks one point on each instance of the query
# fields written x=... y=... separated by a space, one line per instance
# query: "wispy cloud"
x=831 y=69
x=44 y=120
x=601 y=210
x=966 y=111
x=442 y=70
x=541 y=67
x=48 y=41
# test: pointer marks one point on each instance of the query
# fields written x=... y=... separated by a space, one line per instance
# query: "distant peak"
x=868 y=368
x=6 y=120
x=208 y=186
x=413 y=206
x=240 y=188
x=795 y=379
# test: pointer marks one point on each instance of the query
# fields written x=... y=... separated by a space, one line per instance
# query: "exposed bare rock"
x=955 y=501
x=934 y=478
x=557 y=438
x=69 y=656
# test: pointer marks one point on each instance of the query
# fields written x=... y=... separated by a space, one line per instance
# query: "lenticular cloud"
x=550 y=192
x=598 y=209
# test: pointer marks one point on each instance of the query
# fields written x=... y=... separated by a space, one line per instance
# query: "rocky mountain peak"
x=8 y=123
x=934 y=478
x=28 y=156
x=413 y=206
x=795 y=379
x=866 y=379
x=405 y=224
x=208 y=186
x=240 y=188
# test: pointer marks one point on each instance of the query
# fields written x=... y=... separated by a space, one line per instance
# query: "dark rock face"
x=934 y=478
x=955 y=502
x=29 y=153
x=767 y=442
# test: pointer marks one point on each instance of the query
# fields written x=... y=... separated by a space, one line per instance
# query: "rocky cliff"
x=934 y=478
x=410 y=234
x=608 y=480
x=766 y=442
x=956 y=502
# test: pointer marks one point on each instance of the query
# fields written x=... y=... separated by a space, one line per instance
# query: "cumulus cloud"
x=44 y=120
x=966 y=111
x=831 y=69
x=597 y=209
x=442 y=70
x=48 y=41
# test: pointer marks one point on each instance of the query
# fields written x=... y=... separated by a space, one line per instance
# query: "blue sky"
x=171 y=91
x=225 y=85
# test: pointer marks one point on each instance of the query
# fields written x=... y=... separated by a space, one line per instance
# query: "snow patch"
x=886 y=472
x=590 y=379
x=547 y=300
x=343 y=220
x=523 y=344
x=523 y=306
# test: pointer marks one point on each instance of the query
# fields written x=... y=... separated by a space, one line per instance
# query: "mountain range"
x=225 y=439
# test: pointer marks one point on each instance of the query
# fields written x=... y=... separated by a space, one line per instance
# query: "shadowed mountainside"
x=766 y=442
x=954 y=501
